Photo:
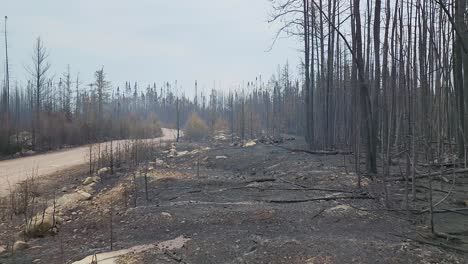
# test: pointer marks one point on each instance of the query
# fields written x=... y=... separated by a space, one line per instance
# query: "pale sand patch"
x=113 y=256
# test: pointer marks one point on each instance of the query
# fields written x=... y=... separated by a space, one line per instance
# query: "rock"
x=166 y=214
x=41 y=225
x=64 y=189
x=20 y=245
x=182 y=153
x=36 y=261
x=84 y=195
x=220 y=137
x=172 y=153
x=221 y=157
x=103 y=171
x=250 y=144
x=466 y=202
x=89 y=188
x=2 y=249
x=159 y=162
x=91 y=180
x=88 y=180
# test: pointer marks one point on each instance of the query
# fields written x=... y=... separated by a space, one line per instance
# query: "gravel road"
x=14 y=171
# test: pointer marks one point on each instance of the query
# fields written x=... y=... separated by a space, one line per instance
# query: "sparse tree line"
x=50 y=111
x=383 y=78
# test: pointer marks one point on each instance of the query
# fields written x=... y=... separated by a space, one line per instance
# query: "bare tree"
x=38 y=70
x=7 y=89
x=102 y=86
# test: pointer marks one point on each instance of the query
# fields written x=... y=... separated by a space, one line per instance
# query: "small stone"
x=84 y=195
x=88 y=181
x=103 y=171
x=36 y=261
x=466 y=202
x=221 y=157
x=94 y=180
x=166 y=214
x=250 y=144
x=182 y=153
x=172 y=153
x=20 y=245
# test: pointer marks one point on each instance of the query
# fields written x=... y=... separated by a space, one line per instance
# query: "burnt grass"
x=247 y=205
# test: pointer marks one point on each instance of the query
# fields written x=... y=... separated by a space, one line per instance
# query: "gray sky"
x=222 y=41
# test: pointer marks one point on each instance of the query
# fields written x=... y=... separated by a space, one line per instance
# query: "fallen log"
x=437 y=173
x=289 y=189
x=444 y=164
x=303 y=187
x=317 y=152
x=436 y=244
x=261 y=180
x=323 y=152
x=333 y=198
x=452 y=210
x=173 y=256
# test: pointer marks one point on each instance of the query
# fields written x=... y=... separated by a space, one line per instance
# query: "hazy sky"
x=222 y=41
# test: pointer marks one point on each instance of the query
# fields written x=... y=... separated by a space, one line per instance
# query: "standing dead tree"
x=38 y=72
x=295 y=15
x=7 y=90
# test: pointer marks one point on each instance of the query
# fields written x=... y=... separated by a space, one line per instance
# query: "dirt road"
x=17 y=170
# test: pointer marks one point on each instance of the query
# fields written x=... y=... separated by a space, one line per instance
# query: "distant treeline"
x=52 y=112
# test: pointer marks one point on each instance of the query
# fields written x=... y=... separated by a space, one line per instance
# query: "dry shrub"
x=196 y=128
x=135 y=127
x=221 y=125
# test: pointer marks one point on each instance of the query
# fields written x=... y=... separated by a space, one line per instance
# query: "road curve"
x=17 y=170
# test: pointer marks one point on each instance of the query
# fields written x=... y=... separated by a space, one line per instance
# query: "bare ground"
x=261 y=204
